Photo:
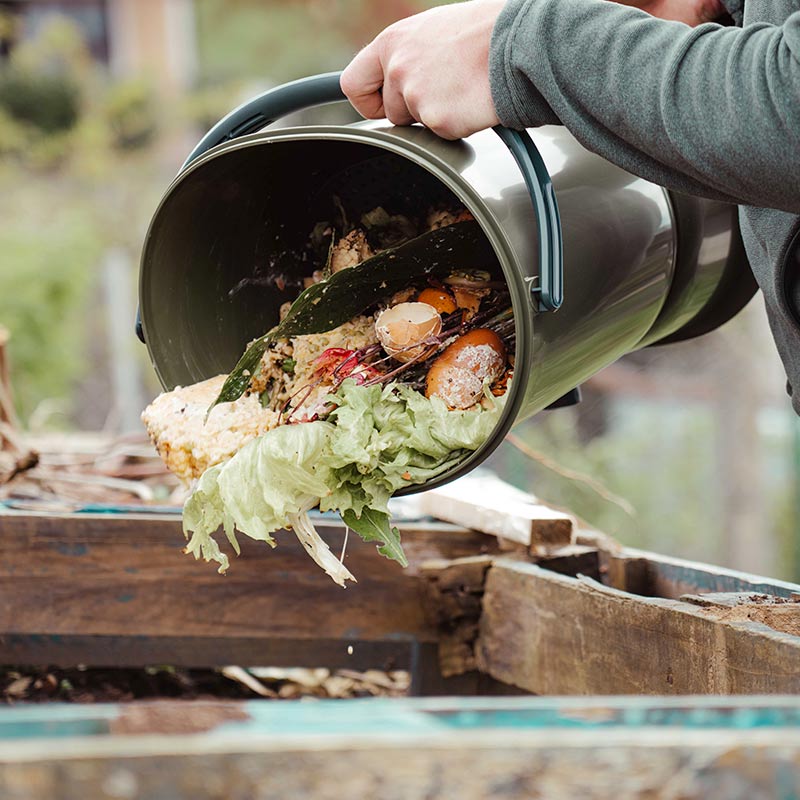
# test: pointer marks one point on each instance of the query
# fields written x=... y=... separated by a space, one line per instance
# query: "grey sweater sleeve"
x=711 y=110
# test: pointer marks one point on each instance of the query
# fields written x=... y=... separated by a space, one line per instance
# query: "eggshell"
x=458 y=374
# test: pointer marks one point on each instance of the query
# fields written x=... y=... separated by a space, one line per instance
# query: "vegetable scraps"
x=377 y=440
x=386 y=371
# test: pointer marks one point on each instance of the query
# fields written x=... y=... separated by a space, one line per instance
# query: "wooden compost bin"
x=471 y=615
x=115 y=590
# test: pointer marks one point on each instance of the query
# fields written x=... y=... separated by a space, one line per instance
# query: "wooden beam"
x=6 y=406
x=553 y=634
x=454 y=602
x=15 y=455
x=208 y=651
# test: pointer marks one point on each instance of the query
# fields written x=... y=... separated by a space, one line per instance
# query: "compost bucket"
x=598 y=262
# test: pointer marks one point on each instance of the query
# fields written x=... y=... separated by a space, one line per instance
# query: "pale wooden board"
x=552 y=634
x=489 y=505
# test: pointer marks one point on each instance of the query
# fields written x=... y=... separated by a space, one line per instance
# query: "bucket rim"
x=374 y=134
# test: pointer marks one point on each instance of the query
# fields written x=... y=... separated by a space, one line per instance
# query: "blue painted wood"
x=431 y=717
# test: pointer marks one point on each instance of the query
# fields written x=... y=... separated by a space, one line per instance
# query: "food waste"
x=389 y=368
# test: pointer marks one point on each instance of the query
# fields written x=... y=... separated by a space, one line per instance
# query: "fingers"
x=395 y=105
x=362 y=81
x=372 y=93
x=433 y=68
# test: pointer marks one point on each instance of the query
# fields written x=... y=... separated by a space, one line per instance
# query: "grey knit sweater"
x=712 y=111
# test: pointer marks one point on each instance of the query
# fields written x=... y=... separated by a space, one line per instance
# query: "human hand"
x=690 y=12
x=431 y=68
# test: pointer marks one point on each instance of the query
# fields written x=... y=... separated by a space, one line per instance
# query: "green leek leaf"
x=346 y=294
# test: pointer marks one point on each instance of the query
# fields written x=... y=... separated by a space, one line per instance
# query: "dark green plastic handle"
x=320 y=89
x=273 y=104
x=551 y=256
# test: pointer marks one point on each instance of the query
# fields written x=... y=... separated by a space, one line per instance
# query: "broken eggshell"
x=458 y=375
x=403 y=329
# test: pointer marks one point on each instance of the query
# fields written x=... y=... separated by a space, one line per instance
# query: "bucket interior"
x=228 y=245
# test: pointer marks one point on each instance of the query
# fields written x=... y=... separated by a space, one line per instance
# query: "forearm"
x=706 y=110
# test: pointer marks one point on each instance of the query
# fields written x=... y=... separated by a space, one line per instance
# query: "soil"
x=118 y=685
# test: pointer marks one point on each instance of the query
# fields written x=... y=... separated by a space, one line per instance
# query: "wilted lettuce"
x=377 y=440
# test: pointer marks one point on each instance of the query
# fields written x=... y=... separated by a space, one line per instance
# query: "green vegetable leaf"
x=378 y=440
x=373 y=526
x=347 y=293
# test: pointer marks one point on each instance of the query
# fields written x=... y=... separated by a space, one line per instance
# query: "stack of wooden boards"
x=533 y=604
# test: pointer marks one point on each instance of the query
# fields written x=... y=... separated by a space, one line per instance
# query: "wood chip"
x=19 y=687
x=242 y=676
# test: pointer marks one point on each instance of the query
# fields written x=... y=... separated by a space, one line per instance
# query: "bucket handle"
x=320 y=89
x=316 y=90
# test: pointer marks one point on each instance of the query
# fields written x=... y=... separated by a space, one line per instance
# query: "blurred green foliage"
x=43 y=303
x=247 y=43
x=277 y=41
x=72 y=183
x=664 y=472
x=131 y=112
x=48 y=102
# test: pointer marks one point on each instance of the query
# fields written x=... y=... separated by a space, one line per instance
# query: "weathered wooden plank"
x=208 y=651
x=739 y=599
x=487 y=504
x=113 y=576
x=655 y=575
x=560 y=749
x=552 y=634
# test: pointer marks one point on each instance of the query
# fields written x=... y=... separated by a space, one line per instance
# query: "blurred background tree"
x=100 y=100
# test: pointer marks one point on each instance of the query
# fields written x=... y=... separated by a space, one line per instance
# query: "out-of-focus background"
x=689 y=450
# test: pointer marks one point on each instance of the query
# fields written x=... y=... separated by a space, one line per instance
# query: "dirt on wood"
x=780 y=616
x=174 y=718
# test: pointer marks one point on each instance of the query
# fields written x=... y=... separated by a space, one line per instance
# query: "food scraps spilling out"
x=389 y=368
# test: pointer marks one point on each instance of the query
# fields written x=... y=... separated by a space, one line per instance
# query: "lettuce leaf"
x=373 y=526
x=376 y=440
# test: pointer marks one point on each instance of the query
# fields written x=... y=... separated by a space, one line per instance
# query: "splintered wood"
x=487 y=504
x=15 y=455
x=779 y=613
x=79 y=470
x=454 y=601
